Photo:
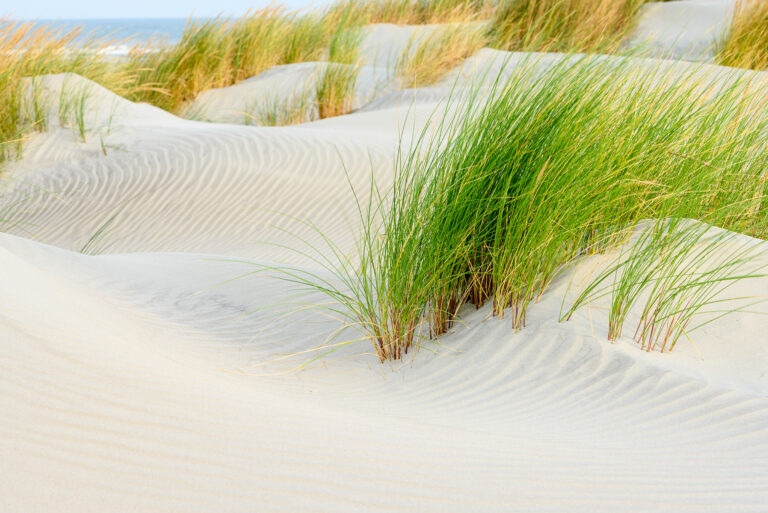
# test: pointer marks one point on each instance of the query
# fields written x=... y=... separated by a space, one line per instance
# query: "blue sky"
x=76 y=9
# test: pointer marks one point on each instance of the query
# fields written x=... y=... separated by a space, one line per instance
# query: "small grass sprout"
x=562 y=25
x=275 y=111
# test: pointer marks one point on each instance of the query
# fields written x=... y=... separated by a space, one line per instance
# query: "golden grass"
x=425 y=62
x=416 y=12
x=562 y=25
x=746 y=45
x=28 y=51
x=220 y=53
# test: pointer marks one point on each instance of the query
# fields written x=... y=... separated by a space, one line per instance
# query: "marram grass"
x=555 y=165
x=531 y=176
x=416 y=12
x=675 y=270
x=26 y=52
x=220 y=52
x=746 y=45
x=562 y=25
x=335 y=87
x=424 y=62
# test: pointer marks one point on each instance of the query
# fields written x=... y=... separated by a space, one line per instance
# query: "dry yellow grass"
x=219 y=53
x=562 y=25
x=426 y=62
x=416 y=12
x=746 y=45
x=27 y=51
x=335 y=87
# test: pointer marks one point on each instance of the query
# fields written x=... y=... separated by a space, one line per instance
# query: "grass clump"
x=558 y=164
x=562 y=25
x=746 y=45
x=219 y=53
x=416 y=12
x=675 y=270
x=335 y=85
x=276 y=111
x=426 y=62
x=27 y=51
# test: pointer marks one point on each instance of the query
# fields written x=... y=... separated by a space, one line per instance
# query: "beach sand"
x=159 y=373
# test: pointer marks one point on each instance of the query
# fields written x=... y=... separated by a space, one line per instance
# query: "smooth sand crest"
x=683 y=29
x=147 y=379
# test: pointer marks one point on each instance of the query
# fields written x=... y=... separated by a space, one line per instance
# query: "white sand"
x=683 y=29
x=144 y=380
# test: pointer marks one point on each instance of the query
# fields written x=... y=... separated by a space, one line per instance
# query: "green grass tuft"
x=558 y=164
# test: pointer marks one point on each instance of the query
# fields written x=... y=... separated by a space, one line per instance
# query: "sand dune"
x=684 y=29
x=143 y=377
x=138 y=389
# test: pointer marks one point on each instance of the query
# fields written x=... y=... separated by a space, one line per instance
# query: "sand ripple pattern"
x=149 y=378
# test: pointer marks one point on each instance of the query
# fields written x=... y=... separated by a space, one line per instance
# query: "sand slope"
x=140 y=388
x=683 y=29
x=143 y=377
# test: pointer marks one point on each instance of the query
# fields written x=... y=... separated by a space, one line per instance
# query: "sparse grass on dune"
x=332 y=88
x=26 y=52
x=557 y=165
x=416 y=12
x=219 y=53
x=335 y=87
x=675 y=270
x=746 y=45
x=562 y=25
x=426 y=62
x=275 y=111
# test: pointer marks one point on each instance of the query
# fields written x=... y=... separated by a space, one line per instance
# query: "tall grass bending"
x=556 y=164
x=746 y=44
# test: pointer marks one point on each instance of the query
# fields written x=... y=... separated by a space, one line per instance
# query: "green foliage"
x=675 y=270
x=425 y=62
x=559 y=163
